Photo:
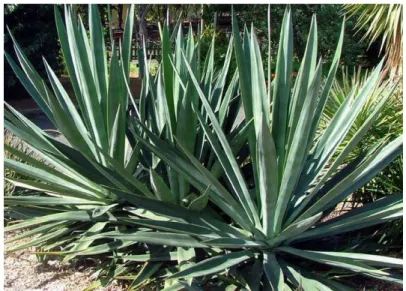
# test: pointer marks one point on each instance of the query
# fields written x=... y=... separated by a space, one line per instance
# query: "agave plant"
x=166 y=107
x=185 y=195
x=99 y=158
x=11 y=140
x=69 y=187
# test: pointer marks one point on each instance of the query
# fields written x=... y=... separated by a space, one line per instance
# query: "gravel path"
x=23 y=272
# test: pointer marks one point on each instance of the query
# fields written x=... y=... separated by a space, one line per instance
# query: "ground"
x=23 y=272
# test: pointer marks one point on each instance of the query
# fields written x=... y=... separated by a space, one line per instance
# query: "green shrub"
x=390 y=117
x=388 y=125
x=221 y=45
x=329 y=23
x=185 y=193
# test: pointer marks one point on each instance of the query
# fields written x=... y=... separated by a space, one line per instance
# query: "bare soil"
x=23 y=272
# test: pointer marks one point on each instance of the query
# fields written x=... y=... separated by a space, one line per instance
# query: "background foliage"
x=38 y=34
x=34 y=26
x=389 y=237
x=329 y=20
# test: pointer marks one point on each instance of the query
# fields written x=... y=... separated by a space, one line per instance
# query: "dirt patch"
x=343 y=208
x=363 y=284
x=23 y=272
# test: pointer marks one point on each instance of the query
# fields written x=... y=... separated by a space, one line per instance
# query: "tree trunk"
x=142 y=27
x=201 y=19
x=196 y=10
x=166 y=14
x=120 y=15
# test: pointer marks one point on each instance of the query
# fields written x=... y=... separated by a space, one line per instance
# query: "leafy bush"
x=388 y=125
x=329 y=24
x=209 y=35
x=184 y=192
x=390 y=117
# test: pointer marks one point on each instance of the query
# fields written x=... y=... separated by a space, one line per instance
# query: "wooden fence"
x=153 y=50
